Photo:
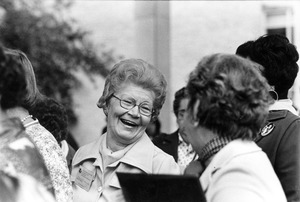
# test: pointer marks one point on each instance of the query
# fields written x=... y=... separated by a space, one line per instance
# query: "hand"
x=195 y=168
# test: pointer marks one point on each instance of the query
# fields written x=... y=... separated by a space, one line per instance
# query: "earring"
x=273 y=93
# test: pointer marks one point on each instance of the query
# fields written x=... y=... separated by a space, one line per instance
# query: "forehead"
x=136 y=92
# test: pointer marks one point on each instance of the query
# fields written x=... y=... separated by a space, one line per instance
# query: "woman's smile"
x=125 y=122
x=128 y=123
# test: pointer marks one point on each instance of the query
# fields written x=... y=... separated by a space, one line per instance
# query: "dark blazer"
x=281 y=143
x=168 y=143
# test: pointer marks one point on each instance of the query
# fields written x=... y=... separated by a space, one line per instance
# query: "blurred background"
x=73 y=44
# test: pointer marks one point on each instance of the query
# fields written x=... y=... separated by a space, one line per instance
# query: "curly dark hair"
x=12 y=81
x=232 y=95
x=179 y=95
x=244 y=50
x=53 y=116
x=278 y=57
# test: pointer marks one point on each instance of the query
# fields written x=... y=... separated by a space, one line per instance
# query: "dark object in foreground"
x=160 y=188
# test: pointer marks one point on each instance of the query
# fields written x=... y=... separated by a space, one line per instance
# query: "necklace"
x=25 y=118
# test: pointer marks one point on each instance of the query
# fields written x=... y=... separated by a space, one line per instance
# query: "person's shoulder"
x=40 y=134
x=86 y=148
x=282 y=115
x=164 y=162
x=87 y=151
x=292 y=116
x=285 y=120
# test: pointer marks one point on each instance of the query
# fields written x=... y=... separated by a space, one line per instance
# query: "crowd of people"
x=238 y=130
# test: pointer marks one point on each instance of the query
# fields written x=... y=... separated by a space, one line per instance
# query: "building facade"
x=173 y=36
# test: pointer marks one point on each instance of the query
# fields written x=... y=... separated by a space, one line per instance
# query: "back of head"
x=12 y=81
x=140 y=73
x=53 y=116
x=232 y=96
x=278 y=57
x=32 y=93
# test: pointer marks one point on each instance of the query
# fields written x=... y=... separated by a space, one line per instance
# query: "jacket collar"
x=231 y=150
x=140 y=155
x=89 y=151
x=278 y=114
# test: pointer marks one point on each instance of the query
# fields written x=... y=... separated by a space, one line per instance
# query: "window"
x=279 y=20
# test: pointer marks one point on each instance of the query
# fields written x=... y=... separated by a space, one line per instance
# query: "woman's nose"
x=134 y=111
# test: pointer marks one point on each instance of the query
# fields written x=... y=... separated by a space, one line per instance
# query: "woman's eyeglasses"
x=144 y=108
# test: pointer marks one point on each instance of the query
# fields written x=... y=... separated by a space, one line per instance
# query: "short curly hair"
x=278 y=57
x=53 y=116
x=179 y=95
x=140 y=73
x=232 y=93
x=12 y=81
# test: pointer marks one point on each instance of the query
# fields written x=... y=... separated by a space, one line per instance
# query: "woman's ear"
x=195 y=112
x=103 y=106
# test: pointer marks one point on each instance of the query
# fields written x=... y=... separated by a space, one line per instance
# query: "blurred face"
x=181 y=111
x=197 y=136
x=125 y=126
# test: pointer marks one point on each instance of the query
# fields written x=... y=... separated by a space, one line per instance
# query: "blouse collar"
x=140 y=155
x=283 y=104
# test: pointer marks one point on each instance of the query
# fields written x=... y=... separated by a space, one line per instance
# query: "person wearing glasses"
x=133 y=95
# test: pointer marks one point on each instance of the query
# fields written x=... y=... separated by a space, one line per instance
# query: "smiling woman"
x=133 y=95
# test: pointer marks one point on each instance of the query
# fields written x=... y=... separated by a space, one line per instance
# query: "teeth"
x=128 y=122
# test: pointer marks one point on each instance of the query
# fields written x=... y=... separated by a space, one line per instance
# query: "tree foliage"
x=55 y=45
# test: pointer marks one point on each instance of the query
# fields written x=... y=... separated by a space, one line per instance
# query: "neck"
x=282 y=95
x=211 y=148
x=19 y=112
x=112 y=144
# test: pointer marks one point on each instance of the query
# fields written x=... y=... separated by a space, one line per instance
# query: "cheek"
x=187 y=127
x=145 y=122
x=113 y=114
x=114 y=110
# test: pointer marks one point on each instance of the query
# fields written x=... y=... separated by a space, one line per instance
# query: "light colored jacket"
x=239 y=172
x=92 y=183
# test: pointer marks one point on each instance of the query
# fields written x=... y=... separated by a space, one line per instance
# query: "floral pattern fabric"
x=54 y=160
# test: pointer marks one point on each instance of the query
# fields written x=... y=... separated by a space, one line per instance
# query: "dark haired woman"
x=280 y=137
x=45 y=142
x=23 y=175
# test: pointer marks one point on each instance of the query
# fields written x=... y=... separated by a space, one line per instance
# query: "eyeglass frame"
x=139 y=106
